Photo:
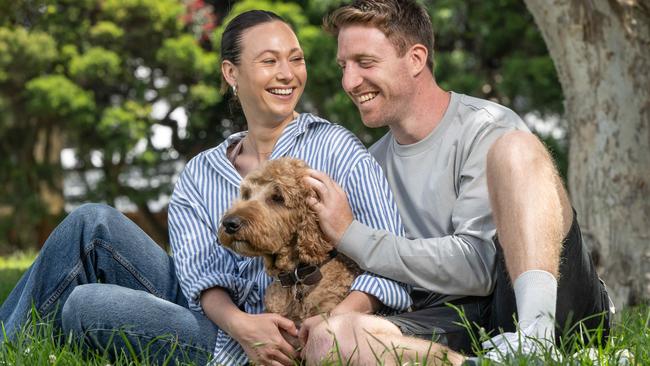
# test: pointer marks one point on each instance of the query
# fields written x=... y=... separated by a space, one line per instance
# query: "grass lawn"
x=37 y=346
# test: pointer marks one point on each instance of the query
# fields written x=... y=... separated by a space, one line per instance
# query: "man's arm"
x=372 y=204
x=458 y=264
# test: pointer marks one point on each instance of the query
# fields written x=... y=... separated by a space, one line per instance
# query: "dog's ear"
x=312 y=246
x=288 y=174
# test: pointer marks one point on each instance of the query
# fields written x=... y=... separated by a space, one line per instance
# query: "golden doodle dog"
x=272 y=220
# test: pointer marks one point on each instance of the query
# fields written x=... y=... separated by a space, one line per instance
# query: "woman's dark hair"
x=231 y=39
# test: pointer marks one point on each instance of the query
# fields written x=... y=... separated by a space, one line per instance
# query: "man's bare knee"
x=346 y=337
x=519 y=157
x=324 y=339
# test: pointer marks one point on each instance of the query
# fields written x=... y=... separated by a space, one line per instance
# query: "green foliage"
x=290 y=11
x=204 y=96
x=99 y=76
x=24 y=55
x=96 y=66
x=106 y=33
x=492 y=50
x=86 y=75
x=56 y=97
x=183 y=58
x=123 y=126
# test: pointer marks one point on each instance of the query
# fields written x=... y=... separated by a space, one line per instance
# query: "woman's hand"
x=260 y=337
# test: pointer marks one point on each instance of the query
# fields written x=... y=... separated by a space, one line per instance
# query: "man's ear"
x=417 y=56
x=229 y=72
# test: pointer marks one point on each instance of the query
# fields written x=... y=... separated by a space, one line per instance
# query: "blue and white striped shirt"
x=210 y=183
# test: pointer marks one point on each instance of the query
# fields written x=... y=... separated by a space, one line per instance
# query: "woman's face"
x=271 y=74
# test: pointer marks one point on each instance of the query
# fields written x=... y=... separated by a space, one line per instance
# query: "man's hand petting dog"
x=331 y=206
x=260 y=337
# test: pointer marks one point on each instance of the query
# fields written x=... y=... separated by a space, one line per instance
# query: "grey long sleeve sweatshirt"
x=441 y=191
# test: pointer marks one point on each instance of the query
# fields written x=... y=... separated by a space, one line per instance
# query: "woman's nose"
x=285 y=72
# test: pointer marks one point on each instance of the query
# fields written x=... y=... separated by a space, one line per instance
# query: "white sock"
x=536 y=294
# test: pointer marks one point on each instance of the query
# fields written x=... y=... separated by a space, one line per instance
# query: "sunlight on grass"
x=11 y=268
x=18 y=260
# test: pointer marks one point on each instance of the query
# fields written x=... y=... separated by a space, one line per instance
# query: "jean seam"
x=59 y=290
x=77 y=269
x=129 y=267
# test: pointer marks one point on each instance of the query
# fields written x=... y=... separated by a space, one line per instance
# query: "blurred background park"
x=106 y=100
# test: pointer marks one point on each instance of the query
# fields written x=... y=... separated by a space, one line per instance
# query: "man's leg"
x=366 y=340
x=552 y=281
x=107 y=317
x=532 y=214
x=95 y=243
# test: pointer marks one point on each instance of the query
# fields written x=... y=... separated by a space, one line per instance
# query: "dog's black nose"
x=232 y=224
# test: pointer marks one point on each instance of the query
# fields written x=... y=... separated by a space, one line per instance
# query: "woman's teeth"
x=281 y=91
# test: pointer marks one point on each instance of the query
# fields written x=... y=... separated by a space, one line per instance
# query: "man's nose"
x=351 y=79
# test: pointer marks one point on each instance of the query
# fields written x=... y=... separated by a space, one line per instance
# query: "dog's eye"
x=245 y=194
x=277 y=198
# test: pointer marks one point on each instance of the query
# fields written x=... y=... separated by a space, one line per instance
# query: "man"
x=460 y=167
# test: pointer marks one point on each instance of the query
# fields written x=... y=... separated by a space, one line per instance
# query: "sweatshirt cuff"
x=354 y=241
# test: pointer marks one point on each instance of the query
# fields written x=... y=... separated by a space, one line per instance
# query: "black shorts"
x=581 y=298
x=434 y=318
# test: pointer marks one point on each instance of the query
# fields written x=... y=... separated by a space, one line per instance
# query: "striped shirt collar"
x=219 y=159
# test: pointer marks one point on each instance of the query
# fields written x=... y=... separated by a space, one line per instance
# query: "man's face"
x=374 y=76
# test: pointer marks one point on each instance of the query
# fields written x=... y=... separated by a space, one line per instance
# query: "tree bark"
x=601 y=50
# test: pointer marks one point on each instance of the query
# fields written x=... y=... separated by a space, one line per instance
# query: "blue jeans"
x=98 y=273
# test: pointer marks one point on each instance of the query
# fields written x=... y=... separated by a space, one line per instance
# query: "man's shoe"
x=521 y=343
x=509 y=345
x=622 y=357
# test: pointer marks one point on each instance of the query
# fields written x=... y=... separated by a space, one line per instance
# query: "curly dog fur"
x=272 y=220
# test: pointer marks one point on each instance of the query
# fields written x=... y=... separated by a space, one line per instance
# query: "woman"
x=219 y=310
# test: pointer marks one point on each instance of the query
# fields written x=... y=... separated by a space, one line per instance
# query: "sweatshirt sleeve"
x=372 y=204
x=460 y=263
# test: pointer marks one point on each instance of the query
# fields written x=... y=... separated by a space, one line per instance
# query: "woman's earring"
x=234 y=90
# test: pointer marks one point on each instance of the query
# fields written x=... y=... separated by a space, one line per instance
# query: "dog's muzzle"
x=232 y=224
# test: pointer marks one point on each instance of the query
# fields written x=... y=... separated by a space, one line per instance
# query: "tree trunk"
x=601 y=50
x=47 y=151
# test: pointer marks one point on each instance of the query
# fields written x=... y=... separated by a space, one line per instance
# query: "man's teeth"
x=281 y=91
x=366 y=97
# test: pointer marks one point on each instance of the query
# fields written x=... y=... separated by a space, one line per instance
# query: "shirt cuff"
x=241 y=291
x=391 y=294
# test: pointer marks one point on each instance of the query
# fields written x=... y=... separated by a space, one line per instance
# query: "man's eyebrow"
x=357 y=57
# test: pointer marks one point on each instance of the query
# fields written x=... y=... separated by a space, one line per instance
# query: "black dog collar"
x=304 y=274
